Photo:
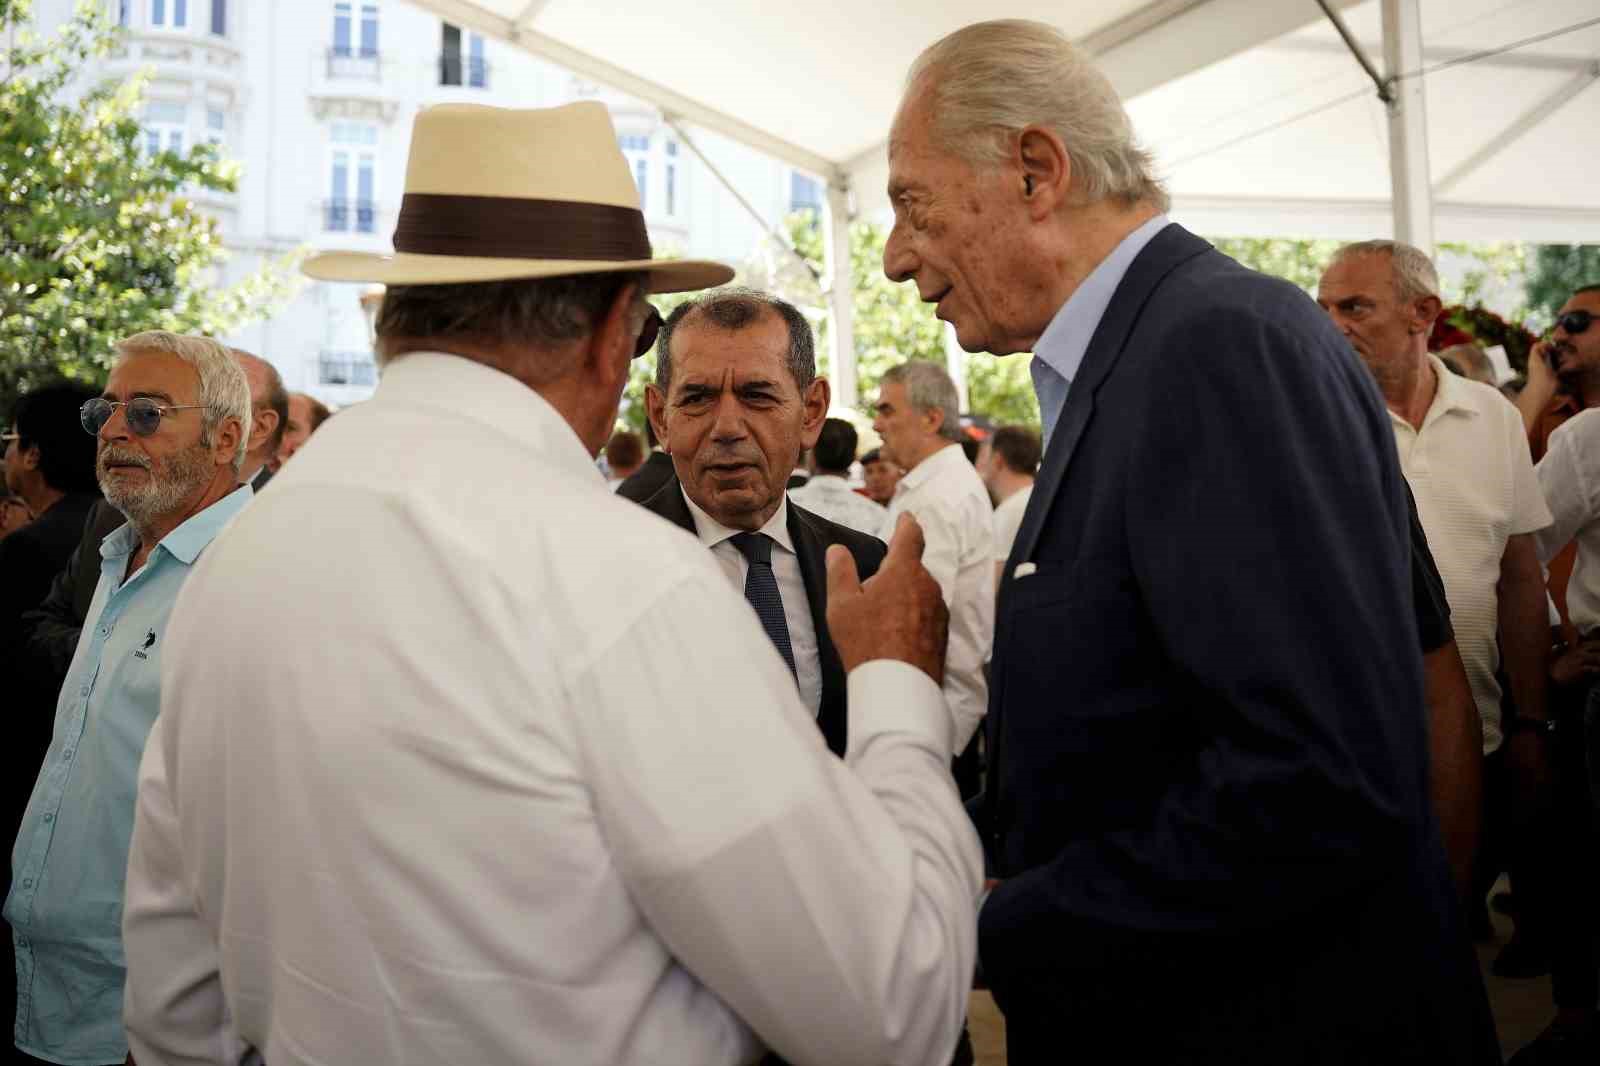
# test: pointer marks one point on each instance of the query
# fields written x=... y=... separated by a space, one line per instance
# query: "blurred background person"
x=624 y=456
x=306 y=414
x=646 y=481
x=879 y=476
x=828 y=492
x=269 y=417
x=1007 y=463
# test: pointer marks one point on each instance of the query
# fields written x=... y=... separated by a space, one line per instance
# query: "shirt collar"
x=186 y=542
x=1065 y=341
x=711 y=532
x=1451 y=393
x=929 y=468
x=463 y=388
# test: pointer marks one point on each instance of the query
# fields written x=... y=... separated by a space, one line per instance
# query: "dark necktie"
x=761 y=589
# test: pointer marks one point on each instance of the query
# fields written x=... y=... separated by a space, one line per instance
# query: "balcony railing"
x=359 y=63
x=346 y=368
x=471 y=71
x=349 y=216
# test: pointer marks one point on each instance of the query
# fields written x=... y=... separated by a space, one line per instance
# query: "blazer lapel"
x=667 y=501
x=1172 y=246
x=812 y=553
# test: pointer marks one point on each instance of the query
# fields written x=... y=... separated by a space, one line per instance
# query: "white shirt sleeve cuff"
x=890 y=696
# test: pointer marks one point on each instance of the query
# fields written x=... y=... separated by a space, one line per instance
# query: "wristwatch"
x=1517 y=722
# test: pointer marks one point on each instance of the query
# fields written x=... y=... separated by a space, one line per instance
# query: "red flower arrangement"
x=1479 y=325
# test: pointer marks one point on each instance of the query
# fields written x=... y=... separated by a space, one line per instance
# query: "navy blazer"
x=1208 y=755
x=811 y=534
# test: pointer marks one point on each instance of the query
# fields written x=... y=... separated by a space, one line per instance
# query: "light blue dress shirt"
x=1065 y=341
x=71 y=855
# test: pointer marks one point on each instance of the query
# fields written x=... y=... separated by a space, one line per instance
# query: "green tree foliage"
x=1555 y=272
x=98 y=241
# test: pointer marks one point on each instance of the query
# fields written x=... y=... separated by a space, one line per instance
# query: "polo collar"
x=186 y=542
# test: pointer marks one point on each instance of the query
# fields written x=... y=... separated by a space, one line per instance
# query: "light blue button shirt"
x=71 y=855
x=1065 y=341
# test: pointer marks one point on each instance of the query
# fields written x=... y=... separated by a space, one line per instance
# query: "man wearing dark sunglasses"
x=169 y=435
x=1563 y=372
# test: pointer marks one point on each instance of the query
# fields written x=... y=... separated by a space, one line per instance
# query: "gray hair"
x=929 y=388
x=1414 y=273
x=540 y=312
x=992 y=80
x=733 y=309
x=224 y=391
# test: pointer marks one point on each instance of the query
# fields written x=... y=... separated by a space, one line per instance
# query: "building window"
x=477 y=66
x=461 y=58
x=350 y=38
x=805 y=194
x=216 y=125
x=637 y=150
x=346 y=368
x=122 y=12
x=165 y=126
x=670 y=172
x=351 y=206
x=178 y=9
x=219 y=17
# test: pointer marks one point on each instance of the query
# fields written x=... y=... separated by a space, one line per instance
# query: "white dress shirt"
x=1008 y=522
x=832 y=497
x=949 y=501
x=1470 y=471
x=1569 y=476
x=464 y=759
x=791 y=587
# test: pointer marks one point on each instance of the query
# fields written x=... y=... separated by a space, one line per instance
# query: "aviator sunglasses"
x=1576 y=321
x=143 y=414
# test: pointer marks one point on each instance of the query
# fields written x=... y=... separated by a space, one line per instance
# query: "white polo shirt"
x=1473 y=478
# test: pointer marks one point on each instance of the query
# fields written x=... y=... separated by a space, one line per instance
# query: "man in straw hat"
x=441 y=775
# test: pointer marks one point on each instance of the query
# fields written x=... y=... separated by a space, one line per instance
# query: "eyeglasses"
x=143 y=414
x=648 y=332
x=1576 y=321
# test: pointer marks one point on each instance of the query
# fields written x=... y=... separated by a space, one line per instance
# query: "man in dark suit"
x=1207 y=806
x=735 y=401
x=644 y=482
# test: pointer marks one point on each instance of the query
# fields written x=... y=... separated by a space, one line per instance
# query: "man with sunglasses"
x=170 y=437
x=1564 y=432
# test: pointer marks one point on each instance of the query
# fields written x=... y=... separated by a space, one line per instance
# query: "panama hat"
x=494 y=193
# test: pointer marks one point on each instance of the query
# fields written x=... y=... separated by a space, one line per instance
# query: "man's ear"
x=1425 y=312
x=225 y=441
x=655 y=407
x=814 y=400
x=1044 y=171
x=611 y=344
x=262 y=426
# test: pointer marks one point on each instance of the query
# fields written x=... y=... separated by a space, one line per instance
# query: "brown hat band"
x=505 y=227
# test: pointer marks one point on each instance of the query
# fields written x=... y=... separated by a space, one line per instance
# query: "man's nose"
x=899 y=262
x=116 y=427
x=728 y=423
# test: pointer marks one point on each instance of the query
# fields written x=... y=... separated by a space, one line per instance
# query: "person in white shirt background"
x=918 y=419
x=1007 y=462
x=541 y=789
x=879 y=477
x=828 y=492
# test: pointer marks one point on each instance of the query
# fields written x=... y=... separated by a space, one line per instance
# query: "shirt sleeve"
x=1427 y=587
x=1568 y=488
x=941 y=550
x=1528 y=510
x=744 y=842
x=173 y=1004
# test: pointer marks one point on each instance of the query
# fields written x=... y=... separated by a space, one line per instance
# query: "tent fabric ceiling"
x=1259 y=118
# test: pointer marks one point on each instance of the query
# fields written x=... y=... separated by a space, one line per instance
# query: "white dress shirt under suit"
x=464 y=759
x=949 y=501
x=791 y=586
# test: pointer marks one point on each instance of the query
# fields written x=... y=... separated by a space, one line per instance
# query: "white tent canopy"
x=1262 y=121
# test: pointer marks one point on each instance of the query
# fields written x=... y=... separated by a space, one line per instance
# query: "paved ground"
x=1521 y=1008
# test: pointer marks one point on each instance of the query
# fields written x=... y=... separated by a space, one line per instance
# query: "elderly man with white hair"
x=1207 y=803
x=171 y=429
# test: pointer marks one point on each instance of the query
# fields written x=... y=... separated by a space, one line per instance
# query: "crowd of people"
x=1196 y=727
